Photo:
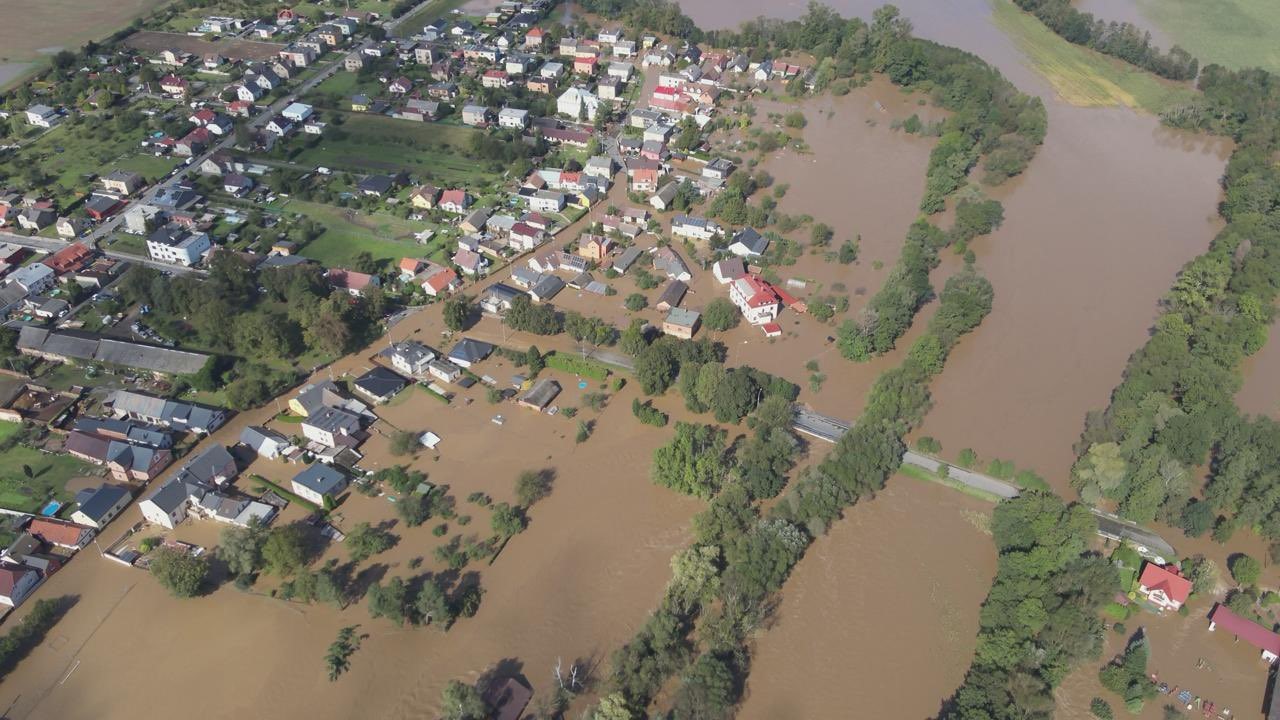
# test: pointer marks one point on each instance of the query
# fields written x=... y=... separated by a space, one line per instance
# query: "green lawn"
x=378 y=144
x=126 y=243
x=50 y=474
x=349 y=233
x=1081 y=76
x=432 y=10
x=1235 y=33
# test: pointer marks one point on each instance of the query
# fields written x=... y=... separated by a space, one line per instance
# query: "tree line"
x=1120 y=40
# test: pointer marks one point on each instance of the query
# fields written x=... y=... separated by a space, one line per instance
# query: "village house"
x=681 y=323
x=728 y=270
x=123 y=182
x=594 y=247
x=546 y=288
x=757 y=299
x=748 y=243
x=695 y=228
x=547 y=201
x=1164 y=587
x=538 y=397
x=437 y=280
x=16 y=583
x=60 y=533
x=424 y=197
x=411 y=358
x=469 y=262
x=469 y=352
x=534 y=38
x=42 y=116
x=173 y=414
x=127 y=460
x=524 y=236
x=498 y=298
x=495 y=79
x=476 y=115
x=665 y=197
x=578 y=103
x=354 y=283
x=513 y=118
x=178 y=245
x=475 y=221
x=379 y=385
x=672 y=295
x=266 y=443
x=333 y=427
x=99 y=506
x=319 y=484
x=455 y=201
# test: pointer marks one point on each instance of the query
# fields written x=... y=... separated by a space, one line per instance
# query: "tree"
x=433 y=605
x=1101 y=709
x=462 y=702
x=364 y=541
x=1244 y=569
x=532 y=486
x=612 y=707
x=720 y=315
x=241 y=547
x=457 y=312
x=285 y=551
x=338 y=657
x=636 y=302
x=1203 y=574
x=693 y=462
x=404 y=442
x=708 y=689
x=179 y=573
x=413 y=509
x=506 y=520
x=391 y=601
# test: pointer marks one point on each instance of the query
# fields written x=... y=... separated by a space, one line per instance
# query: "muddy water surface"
x=881 y=615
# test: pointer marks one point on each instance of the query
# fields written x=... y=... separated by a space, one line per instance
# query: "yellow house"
x=360 y=103
x=424 y=197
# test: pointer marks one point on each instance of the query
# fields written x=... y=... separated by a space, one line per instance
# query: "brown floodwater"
x=875 y=617
x=1110 y=209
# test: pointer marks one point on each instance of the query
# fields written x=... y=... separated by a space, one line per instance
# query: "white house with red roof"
x=454 y=201
x=16 y=583
x=437 y=280
x=1164 y=586
x=174 y=85
x=756 y=298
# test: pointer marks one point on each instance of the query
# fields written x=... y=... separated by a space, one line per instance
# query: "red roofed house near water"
x=1247 y=630
x=1163 y=587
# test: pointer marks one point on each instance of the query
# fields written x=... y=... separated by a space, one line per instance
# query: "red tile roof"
x=69 y=258
x=1247 y=630
x=57 y=532
x=10 y=576
x=1167 y=580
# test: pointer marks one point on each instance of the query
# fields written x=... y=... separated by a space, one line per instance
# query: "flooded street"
x=880 y=616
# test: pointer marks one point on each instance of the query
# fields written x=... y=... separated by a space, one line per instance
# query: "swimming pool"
x=51 y=508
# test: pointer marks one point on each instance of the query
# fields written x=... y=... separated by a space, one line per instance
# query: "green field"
x=348 y=233
x=1081 y=76
x=378 y=144
x=50 y=474
x=432 y=10
x=1235 y=33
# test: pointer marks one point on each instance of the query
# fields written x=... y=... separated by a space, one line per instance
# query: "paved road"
x=975 y=480
x=1110 y=526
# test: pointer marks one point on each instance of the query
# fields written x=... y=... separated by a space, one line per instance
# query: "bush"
x=636 y=302
x=648 y=414
x=1244 y=569
x=404 y=442
x=179 y=573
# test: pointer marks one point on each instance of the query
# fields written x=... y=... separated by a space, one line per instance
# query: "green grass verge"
x=921 y=474
x=1235 y=33
x=1081 y=76
x=287 y=495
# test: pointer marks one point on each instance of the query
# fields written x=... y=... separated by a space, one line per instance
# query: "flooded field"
x=882 y=614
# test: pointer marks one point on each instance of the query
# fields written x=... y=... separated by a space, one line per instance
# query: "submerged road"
x=1110 y=526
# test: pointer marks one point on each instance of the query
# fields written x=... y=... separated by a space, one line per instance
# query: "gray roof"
x=87 y=346
x=170 y=412
x=542 y=393
x=547 y=287
x=412 y=351
x=136 y=432
x=171 y=496
x=332 y=419
x=681 y=316
x=380 y=382
x=321 y=479
x=207 y=465
x=255 y=436
x=673 y=293
x=627 y=259
x=102 y=500
x=751 y=240
x=470 y=351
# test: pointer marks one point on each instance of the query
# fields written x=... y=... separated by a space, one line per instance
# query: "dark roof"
x=380 y=382
x=470 y=350
x=376 y=183
x=673 y=293
x=752 y=240
x=321 y=479
x=102 y=500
